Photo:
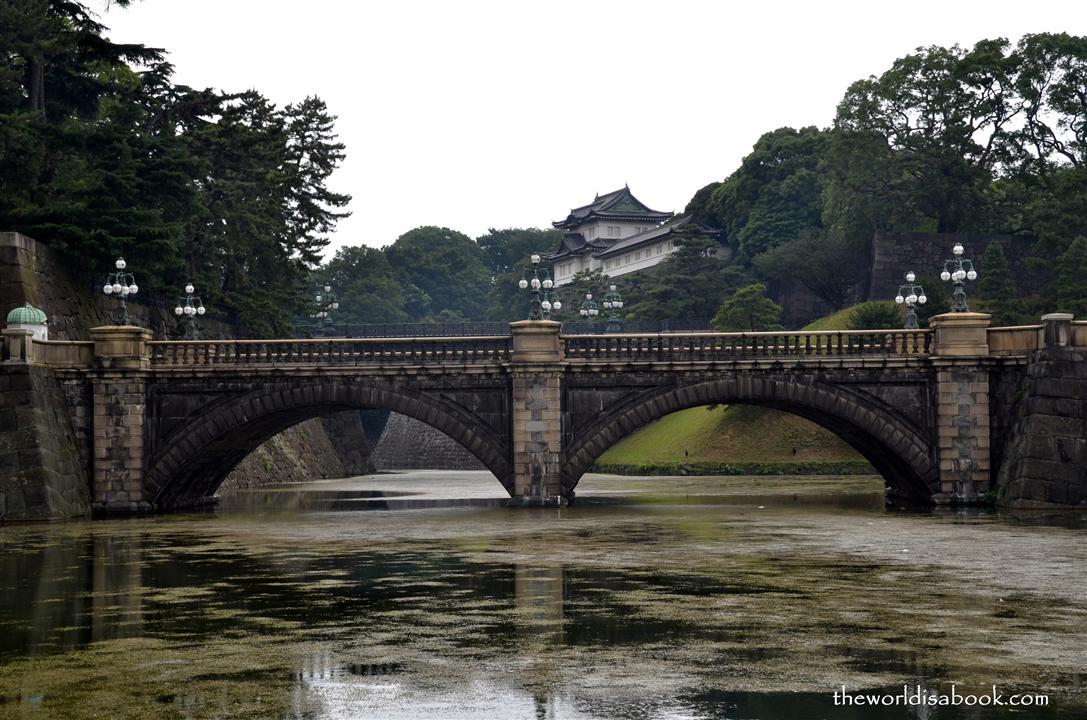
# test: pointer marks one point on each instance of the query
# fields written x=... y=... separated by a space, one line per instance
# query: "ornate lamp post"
x=956 y=270
x=912 y=295
x=120 y=285
x=326 y=303
x=190 y=306
x=536 y=283
x=547 y=305
x=613 y=301
x=588 y=307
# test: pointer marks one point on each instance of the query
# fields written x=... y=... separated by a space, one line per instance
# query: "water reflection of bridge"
x=164 y=422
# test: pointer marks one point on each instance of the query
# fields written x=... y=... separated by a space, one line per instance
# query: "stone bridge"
x=161 y=423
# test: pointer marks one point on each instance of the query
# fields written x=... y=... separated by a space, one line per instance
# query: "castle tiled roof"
x=574 y=243
x=618 y=205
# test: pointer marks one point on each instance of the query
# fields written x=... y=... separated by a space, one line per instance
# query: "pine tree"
x=1071 y=283
x=748 y=310
x=998 y=294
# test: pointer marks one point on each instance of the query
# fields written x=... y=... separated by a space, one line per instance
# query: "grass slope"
x=737 y=435
x=733 y=434
x=835 y=321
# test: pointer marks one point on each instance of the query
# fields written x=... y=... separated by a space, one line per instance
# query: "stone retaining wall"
x=893 y=254
x=43 y=475
x=409 y=444
x=1045 y=463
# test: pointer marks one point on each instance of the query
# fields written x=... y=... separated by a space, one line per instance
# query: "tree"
x=1052 y=73
x=573 y=294
x=876 y=315
x=504 y=250
x=776 y=194
x=829 y=266
x=364 y=285
x=448 y=269
x=748 y=310
x=996 y=287
x=946 y=116
x=55 y=53
x=103 y=159
x=1071 y=282
x=936 y=294
x=690 y=284
x=313 y=153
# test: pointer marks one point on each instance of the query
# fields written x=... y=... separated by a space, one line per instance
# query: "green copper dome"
x=26 y=315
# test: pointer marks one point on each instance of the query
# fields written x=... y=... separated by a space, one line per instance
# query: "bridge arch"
x=195 y=458
x=899 y=451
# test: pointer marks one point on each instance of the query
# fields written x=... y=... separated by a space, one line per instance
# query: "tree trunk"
x=36 y=86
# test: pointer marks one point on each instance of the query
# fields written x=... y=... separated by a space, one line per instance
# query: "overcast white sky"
x=473 y=114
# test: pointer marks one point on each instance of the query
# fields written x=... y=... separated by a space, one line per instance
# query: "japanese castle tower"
x=617 y=234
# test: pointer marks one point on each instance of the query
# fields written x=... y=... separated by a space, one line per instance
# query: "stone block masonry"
x=407 y=443
x=119 y=411
x=1045 y=463
x=924 y=253
x=42 y=473
x=963 y=433
x=961 y=350
x=537 y=436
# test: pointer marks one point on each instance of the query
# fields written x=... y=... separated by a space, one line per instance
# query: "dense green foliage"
x=775 y=195
x=828 y=266
x=365 y=286
x=1071 y=284
x=102 y=155
x=998 y=295
x=689 y=284
x=875 y=315
x=748 y=309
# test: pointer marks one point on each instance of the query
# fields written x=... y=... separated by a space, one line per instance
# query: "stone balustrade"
x=331 y=351
x=688 y=347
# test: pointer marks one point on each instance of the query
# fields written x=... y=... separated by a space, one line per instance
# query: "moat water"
x=421 y=596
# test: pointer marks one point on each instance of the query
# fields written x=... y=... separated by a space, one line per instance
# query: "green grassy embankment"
x=736 y=440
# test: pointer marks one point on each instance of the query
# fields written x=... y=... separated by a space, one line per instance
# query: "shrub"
x=876 y=315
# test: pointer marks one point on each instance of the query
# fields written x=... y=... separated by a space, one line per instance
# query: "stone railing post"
x=536 y=373
x=960 y=348
x=19 y=346
x=120 y=396
x=1058 y=329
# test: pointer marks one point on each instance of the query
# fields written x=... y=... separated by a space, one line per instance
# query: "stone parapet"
x=536 y=341
x=960 y=334
x=19 y=347
x=1058 y=330
x=121 y=347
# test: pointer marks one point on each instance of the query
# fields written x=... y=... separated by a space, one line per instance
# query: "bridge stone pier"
x=940 y=413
